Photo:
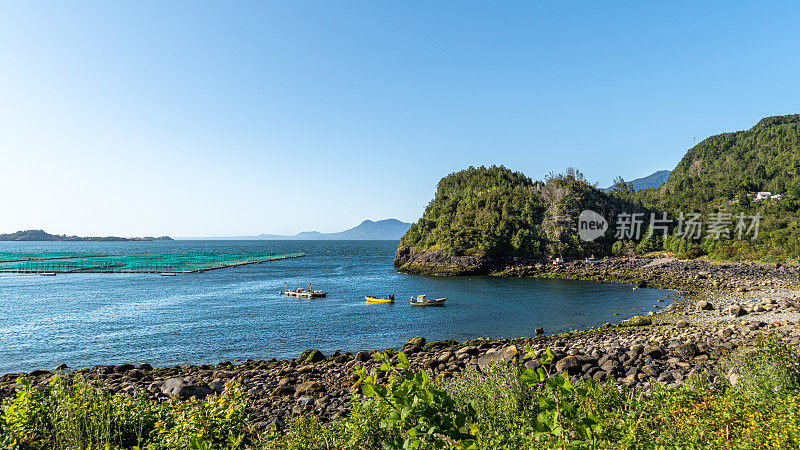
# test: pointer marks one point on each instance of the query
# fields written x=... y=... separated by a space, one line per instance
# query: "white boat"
x=422 y=301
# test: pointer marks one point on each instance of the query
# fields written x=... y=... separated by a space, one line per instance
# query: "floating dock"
x=301 y=293
x=165 y=263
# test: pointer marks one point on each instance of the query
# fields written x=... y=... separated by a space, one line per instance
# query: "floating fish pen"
x=13 y=257
x=158 y=263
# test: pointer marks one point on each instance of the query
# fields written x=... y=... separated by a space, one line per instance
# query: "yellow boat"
x=389 y=299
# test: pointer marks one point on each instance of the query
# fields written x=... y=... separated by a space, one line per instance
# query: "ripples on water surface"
x=225 y=314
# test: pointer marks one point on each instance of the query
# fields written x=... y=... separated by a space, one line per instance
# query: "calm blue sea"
x=236 y=313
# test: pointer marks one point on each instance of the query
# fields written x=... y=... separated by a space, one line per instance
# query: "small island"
x=41 y=235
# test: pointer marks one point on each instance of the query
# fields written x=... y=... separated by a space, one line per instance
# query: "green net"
x=166 y=262
x=10 y=257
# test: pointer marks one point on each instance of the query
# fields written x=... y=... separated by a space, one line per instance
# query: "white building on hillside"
x=763 y=195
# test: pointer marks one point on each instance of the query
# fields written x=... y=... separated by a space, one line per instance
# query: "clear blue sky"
x=195 y=119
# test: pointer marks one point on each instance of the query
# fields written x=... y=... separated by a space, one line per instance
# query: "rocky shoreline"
x=726 y=308
x=669 y=273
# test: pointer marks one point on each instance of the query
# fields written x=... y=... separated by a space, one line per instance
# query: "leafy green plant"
x=73 y=413
x=302 y=432
x=771 y=369
x=360 y=429
x=496 y=393
x=424 y=415
x=562 y=405
x=83 y=414
x=218 y=421
x=504 y=407
x=23 y=419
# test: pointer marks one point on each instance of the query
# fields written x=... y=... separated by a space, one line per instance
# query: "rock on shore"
x=658 y=272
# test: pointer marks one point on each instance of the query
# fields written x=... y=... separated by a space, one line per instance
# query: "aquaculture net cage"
x=166 y=262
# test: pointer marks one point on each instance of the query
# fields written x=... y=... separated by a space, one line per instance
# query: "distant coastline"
x=41 y=235
x=368 y=230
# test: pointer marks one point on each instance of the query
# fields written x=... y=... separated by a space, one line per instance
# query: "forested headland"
x=488 y=216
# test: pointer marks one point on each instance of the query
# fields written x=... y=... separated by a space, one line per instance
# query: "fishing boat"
x=422 y=301
x=168 y=274
x=387 y=299
x=303 y=293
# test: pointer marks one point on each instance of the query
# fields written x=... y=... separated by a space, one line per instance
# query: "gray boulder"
x=419 y=341
x=688 y=350
x=309 y=388
x=310 y=356
x=654 y=352
x=469 y=350
x=306 y=401
x=639 y=321
x=217 y=386
x=506 y=354
x=570 y=364
x=704 y=305
x=281 y=390
x=736 y=311
x=178 y=387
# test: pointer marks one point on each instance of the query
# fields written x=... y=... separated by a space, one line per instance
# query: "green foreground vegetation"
x=506 y=406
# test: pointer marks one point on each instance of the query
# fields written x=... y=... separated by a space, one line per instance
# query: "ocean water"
x=236 y=313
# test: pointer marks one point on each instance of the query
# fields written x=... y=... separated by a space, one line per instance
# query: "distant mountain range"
x=41 y=235
x=653 y=180
x=368 y=230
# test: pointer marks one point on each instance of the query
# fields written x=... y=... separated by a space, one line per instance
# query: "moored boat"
x=303 y=293
x=371 y=299
x=422 y=301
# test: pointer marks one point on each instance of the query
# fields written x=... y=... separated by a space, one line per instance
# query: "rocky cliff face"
x=436 y=262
